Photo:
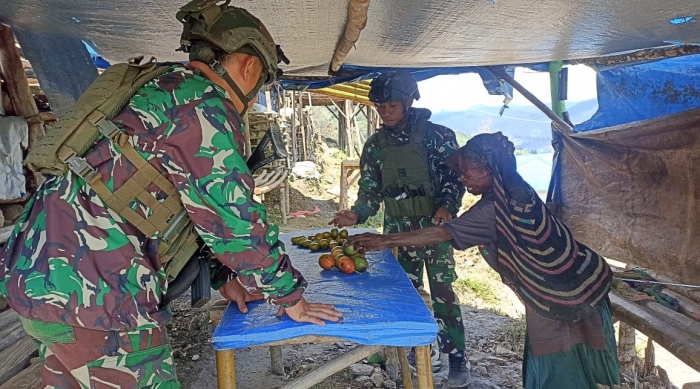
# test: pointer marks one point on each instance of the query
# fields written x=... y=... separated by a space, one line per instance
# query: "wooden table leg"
x=405 y=368
x=225 y=369
x=392 y=363
x=276 y=360
x=424 y=367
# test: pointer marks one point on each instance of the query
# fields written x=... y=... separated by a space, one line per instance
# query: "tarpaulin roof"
x=406 y=33
x=428 y=37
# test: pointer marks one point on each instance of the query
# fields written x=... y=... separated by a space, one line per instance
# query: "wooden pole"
x=246 y=134
x=683 y=345
x=343 y=201
x=17 y=85
x=334 y=366
x=626 y=350
x=225 y=369
x=302 y=125
x=276 y=360
x=649 y=359
x=348 y=128
x=405 y=369
x=424 y=367
x=294 y=127
x=392 y=363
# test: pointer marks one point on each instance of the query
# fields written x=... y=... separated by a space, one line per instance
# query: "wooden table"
x=381 y=310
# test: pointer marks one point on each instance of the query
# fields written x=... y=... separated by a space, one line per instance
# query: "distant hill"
x=525 y=125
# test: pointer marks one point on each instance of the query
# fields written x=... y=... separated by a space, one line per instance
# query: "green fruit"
x=318 y=237
x=326 y=235
x=350 y=250
x=343 y=234
x=306 y=244
x=334 y=233
x=314 y=246
x=361 y=263
x=324 y=243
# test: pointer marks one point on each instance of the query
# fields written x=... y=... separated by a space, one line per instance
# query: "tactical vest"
x=90 y=120
x=407 y=186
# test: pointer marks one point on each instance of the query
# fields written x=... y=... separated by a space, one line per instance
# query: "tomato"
x=346 y=265
x=326 y=261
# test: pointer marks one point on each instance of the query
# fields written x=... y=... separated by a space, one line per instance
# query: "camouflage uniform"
x=438 y=259
x=73 y=262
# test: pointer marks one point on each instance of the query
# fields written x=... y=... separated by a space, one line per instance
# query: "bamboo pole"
x=424 y=367
x=225 y=369
x=334 y=366
x=355 y=23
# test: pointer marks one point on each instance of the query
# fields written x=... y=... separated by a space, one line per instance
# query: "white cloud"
x=460 y=92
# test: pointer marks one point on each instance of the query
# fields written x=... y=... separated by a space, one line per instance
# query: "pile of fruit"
x=322 y=240
x=342 y=256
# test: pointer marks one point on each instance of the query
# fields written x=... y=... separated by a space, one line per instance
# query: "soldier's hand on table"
x=345 y=219
x=369 y=241
x=442 y=215
x=234 y=291
x=315 y=313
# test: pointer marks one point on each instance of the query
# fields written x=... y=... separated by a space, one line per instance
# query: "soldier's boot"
x=459 y=376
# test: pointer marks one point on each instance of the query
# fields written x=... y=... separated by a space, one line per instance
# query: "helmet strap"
x=245 y=99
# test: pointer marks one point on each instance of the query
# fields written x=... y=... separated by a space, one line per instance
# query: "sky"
x=460 y=92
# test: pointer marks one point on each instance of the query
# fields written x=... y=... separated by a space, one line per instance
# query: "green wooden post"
x=558 y=106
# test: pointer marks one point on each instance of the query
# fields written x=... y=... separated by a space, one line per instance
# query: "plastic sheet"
x=645 y=91
x=406 y=33
x=380 y=306
x=630 y=192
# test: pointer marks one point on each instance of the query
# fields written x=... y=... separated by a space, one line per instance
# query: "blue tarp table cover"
x=380 y=306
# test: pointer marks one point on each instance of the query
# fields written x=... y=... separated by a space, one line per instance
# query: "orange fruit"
x=346 y=265
x=326 y=261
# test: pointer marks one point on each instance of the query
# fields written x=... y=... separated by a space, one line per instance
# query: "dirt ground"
x=492 y=315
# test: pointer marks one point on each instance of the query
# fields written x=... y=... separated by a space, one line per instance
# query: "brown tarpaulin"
x=631 y=192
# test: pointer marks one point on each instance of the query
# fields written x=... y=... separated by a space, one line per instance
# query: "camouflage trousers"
x=79 y=358
x=438 y=261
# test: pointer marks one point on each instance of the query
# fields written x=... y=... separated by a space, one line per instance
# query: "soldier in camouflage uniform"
x=88 y=285
x=403 y=166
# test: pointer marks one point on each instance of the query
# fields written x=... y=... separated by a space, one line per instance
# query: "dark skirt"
x=582 y=367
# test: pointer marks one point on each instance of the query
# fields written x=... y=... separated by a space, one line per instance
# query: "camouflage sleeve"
x=370 y=183
x=216 y=188
x=449 y=189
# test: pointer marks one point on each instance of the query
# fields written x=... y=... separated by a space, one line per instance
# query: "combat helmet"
x=393 y=86
x=398 y=85
x=208 y=26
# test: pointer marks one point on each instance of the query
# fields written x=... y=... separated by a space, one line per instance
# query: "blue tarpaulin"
x=645 y=91
x=380 y=306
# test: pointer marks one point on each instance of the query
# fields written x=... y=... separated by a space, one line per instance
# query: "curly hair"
x=474 y=154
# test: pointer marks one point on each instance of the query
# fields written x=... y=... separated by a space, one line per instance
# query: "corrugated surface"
x=380 y=306
x=407 y=33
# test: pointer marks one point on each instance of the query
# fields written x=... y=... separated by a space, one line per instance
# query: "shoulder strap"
x=382 y=139
x=420 y=130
